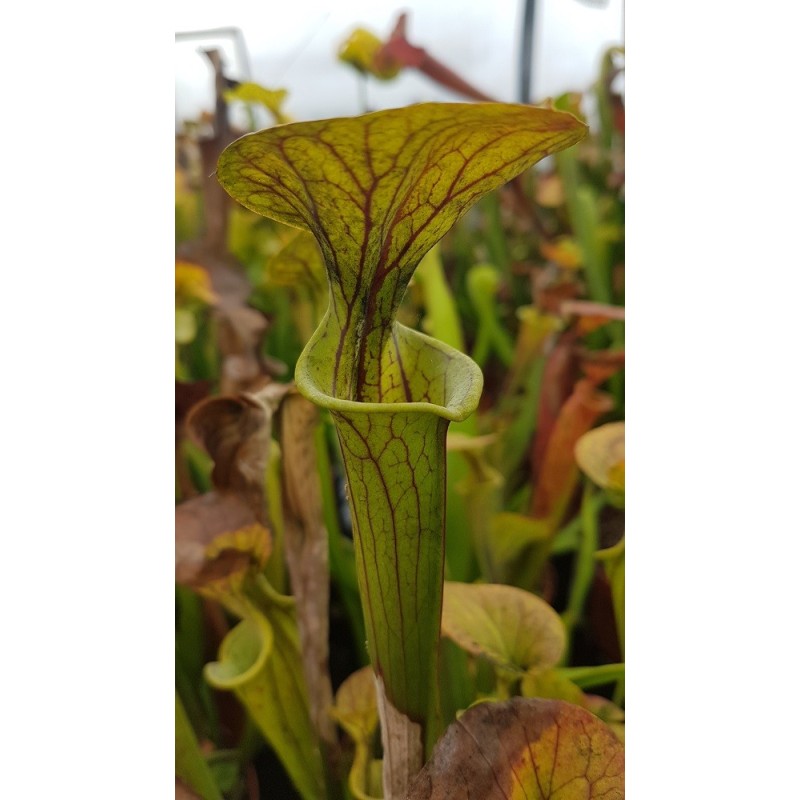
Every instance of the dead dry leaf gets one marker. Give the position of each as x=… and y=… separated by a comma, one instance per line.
x=524, y=748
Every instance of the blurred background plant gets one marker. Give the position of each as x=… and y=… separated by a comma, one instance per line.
x=530, y=283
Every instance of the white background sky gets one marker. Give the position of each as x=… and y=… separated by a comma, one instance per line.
x=296, y=49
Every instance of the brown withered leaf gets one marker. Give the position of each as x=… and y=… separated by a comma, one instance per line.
x=587, y=309
x=228, y=281
x=552, y=287
x=527, y=749
x=607, y=711
x=239, y=333
x=183, y=792
x=600, y=365
x=549, y=190
x=187, y=395
x=235, y=430
x=240, y=328
x=306, y=539
x=217, y=536
x=558, y=379
x=554, y=685
x=564, y=251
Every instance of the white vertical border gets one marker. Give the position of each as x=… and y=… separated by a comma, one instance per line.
x=712, y=400
x=87, y=335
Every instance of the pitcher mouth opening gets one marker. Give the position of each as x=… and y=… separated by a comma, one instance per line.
x=459, y=381
x=243, y=653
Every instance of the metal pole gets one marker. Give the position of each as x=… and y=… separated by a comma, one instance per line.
x=526, y=51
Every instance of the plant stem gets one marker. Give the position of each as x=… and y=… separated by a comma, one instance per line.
x=589, y=677
x=190, y=764
x=568, y=538
x=585, y=567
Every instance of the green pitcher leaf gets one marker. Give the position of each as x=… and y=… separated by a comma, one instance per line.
x=193, y=282
x=551, y=684
x=271, y=99
x=512, y=628
x=190, y=764
x=355, y=706
x=524, y=749
x=297, y=267
x=515, y=414
x=298, y=264
x=441, y=321
x=396, y=485
x=361, y=50
x=600, y=453
x=259, y=660
x=519, y=548
x=185, y=326
x=483, y=284
x=377, y=192
x=480, y=490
